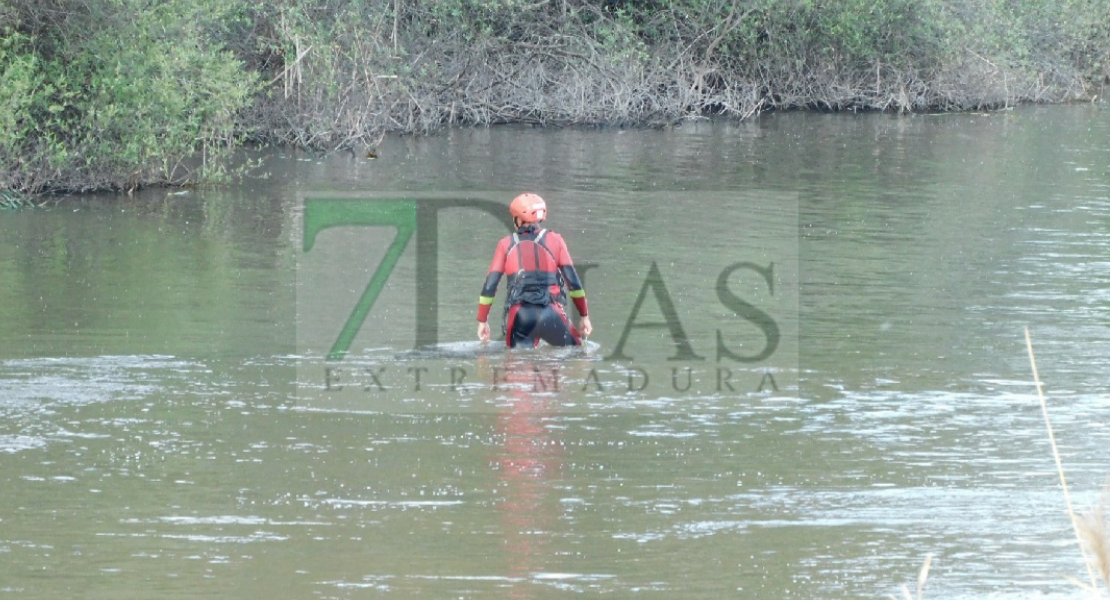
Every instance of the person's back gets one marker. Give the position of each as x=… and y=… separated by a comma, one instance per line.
x=541, y=276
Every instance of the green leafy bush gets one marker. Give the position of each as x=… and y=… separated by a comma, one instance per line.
x=116, y=94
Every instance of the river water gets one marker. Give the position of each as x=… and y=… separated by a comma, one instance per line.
x=808, y=370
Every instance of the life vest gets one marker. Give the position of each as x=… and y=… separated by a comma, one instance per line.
x=537, y=279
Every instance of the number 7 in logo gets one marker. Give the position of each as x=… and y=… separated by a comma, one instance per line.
x=322, y=213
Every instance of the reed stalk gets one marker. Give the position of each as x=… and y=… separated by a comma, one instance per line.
x=1059, y=464
x=1093, y=532
x=922, y=577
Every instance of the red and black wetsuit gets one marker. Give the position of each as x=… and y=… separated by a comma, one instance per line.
x=537, y=263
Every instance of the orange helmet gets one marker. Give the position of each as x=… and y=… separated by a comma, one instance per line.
x=529, y=208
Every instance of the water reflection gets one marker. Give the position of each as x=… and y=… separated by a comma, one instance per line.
x=529, y=459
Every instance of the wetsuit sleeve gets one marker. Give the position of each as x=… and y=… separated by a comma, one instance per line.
x=574, y=283
x=493, y=278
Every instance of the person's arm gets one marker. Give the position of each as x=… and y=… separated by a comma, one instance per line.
x=570, y=275
x=489, y=289
x=574, y=285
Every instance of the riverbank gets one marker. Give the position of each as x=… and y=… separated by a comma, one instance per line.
x=105, y=95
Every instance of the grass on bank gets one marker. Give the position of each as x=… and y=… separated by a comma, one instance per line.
x=15, y=201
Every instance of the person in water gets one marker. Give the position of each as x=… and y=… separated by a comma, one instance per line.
x=541, y=276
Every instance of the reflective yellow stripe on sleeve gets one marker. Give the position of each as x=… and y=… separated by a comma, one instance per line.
x=577, y=293
x=485, y=300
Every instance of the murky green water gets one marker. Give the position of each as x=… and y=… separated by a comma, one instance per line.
x=164, y=431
